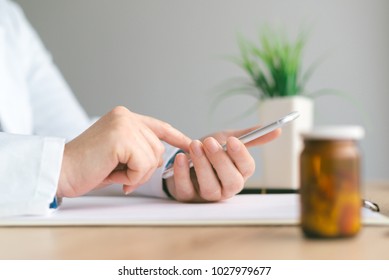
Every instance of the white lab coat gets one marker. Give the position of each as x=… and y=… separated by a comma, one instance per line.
x=38, y=114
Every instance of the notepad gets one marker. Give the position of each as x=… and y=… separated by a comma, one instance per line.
x=277, y=209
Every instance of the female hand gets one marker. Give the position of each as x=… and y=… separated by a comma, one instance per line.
x=216, y=174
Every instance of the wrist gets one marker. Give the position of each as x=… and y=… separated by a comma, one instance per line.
x=64, y=188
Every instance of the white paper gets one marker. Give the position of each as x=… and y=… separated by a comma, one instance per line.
x=277, y=209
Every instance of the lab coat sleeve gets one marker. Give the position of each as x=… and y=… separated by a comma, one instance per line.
x=55, y=110
x=29, y=172
x=55, y=113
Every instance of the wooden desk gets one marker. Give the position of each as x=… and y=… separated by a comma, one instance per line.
x=251, y=242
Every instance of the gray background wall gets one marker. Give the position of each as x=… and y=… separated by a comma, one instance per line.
x=164, y=58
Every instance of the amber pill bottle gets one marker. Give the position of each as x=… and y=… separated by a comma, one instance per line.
x=330, y=182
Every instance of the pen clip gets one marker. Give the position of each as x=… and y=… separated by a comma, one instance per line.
x=370, y=205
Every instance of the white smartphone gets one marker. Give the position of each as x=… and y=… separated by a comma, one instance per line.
x=250, y=136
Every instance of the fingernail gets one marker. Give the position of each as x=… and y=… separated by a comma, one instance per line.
x=233, y=144
x=211, y=145
x=128, y=189
x=197, y=148
x=181, y=160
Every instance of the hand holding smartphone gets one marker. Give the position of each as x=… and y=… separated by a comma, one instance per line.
x=250, y=136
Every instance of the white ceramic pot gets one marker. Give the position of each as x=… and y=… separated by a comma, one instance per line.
x=280, y=158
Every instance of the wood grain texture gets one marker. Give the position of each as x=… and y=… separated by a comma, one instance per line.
x=246, y=242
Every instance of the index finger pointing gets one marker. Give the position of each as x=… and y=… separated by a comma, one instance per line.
x=168, y=133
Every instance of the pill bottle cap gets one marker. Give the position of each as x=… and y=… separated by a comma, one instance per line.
x=349, y=132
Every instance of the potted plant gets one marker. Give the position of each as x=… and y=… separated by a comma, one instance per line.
x=277, y=81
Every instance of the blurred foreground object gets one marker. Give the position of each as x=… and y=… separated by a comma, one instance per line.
x=330, y=182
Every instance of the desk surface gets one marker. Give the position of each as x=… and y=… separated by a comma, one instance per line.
x=248, y=242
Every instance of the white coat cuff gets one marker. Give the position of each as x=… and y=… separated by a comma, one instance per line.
x=32, y=184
